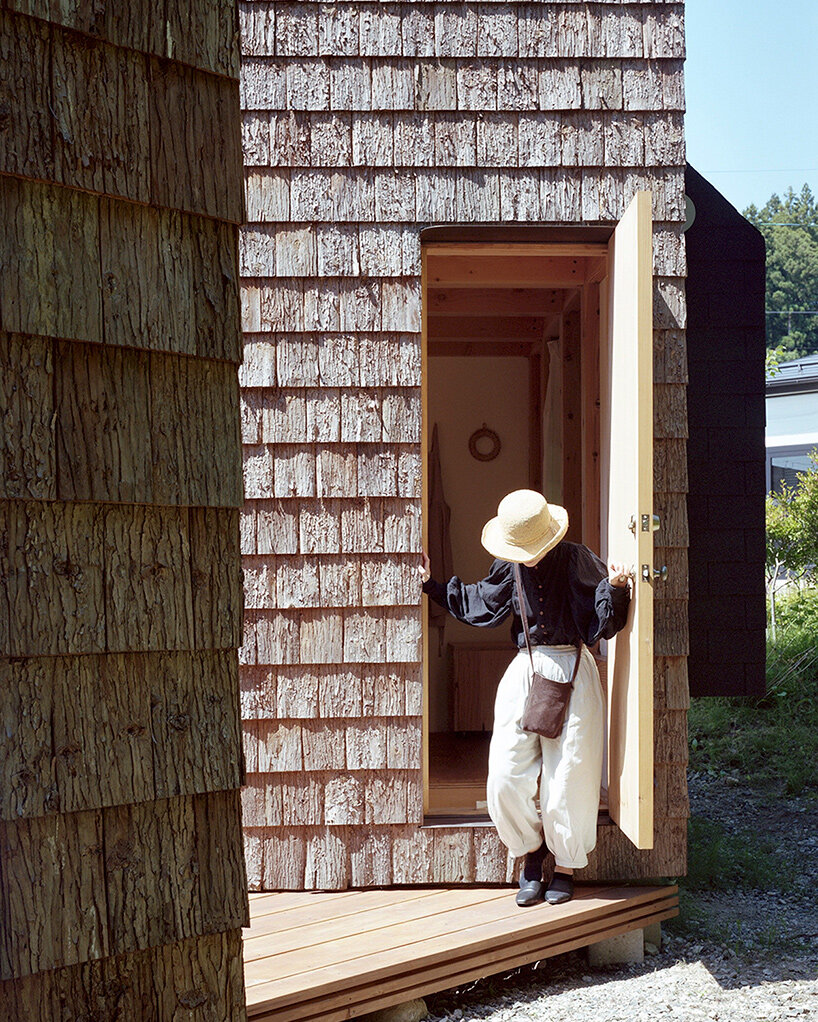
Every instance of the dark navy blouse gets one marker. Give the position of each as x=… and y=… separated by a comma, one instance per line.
x=568, y=597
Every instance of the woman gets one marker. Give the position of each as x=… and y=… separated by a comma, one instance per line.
x=570, y=600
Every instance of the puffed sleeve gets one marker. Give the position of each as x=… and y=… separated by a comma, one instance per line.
x=599, y=609
x=611, y=605
x=486, y=603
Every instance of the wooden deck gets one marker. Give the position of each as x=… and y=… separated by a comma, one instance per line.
x=333, y=956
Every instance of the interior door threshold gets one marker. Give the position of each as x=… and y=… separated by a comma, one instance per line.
x=483, y=820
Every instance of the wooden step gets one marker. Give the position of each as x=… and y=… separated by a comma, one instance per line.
x=335, y=955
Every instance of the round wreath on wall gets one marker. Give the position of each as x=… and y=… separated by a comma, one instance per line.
x=484, y=444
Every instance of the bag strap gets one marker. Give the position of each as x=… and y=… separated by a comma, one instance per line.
x=518, y=578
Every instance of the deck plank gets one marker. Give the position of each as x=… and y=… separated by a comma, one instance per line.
x=387, y=950
x=371, y=997
x=307, y=934
x=263, y=903
x=333, y=909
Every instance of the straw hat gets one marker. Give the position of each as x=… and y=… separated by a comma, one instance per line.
x=526, y=526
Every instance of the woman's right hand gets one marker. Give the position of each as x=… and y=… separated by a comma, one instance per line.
x=425, y=567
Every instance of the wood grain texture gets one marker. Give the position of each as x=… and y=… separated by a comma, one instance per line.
x=49, y=253
x=203, y=33
x=26, y=136
x=471, y=195
x=170, y=279
x=76, y=573
x=94, y=731
x=194, y=432
x=72, y=915
x=148, y=592
x=27, y=416
x=383, y=84
x=194, y=722
x=216, y=578
x=147, y=985
x=131, y=877
x=106, y=708
x=98, y=93
x=673, y=690
x=60, y=243
x=188, y=107
x=29, y=784
x=103, y=424
x=52, y=560
x=101, y=738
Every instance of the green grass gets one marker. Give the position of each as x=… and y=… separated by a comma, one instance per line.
x=696, y=922
x=769, y=746
x=770, y=743
x=719, y=860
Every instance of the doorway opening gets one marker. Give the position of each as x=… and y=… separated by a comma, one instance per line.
x=514, y=341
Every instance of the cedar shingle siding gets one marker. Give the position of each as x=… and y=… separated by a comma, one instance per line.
x=122, y=884
x=363, y=123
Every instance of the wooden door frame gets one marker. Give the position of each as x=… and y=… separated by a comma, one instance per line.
x=594, y=255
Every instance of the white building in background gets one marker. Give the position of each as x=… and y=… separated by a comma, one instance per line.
x=792, y=420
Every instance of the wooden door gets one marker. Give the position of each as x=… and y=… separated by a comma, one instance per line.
x=628, y=430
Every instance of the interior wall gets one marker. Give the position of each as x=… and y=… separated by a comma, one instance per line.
x=464, y=393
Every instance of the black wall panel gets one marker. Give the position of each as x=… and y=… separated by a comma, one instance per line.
x=726, y=342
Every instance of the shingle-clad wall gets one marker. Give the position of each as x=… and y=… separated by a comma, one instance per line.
x=122, y=882
x=364, y=122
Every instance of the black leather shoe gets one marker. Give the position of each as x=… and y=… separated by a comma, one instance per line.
x=530, y=892
x=560, y=889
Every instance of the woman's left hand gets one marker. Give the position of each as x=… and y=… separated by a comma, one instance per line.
x=618, y=575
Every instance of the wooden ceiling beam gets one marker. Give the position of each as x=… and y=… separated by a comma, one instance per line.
x=545, y=272
x=491, y=249
x=500, y=302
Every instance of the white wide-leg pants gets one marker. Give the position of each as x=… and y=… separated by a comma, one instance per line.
x=569, y=767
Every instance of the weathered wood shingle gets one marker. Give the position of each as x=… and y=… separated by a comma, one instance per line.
x=363, y=123
x=122, y=887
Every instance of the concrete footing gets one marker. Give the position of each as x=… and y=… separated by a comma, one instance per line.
x=653, y=935
x=624, y=948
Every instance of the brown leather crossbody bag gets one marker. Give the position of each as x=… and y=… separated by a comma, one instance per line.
x=547, y=702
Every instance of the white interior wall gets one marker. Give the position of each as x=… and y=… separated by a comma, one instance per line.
x=463, y=394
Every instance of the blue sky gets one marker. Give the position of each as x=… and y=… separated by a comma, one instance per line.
x=751, y=80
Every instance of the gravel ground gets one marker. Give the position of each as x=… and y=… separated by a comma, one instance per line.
x=743, y=956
